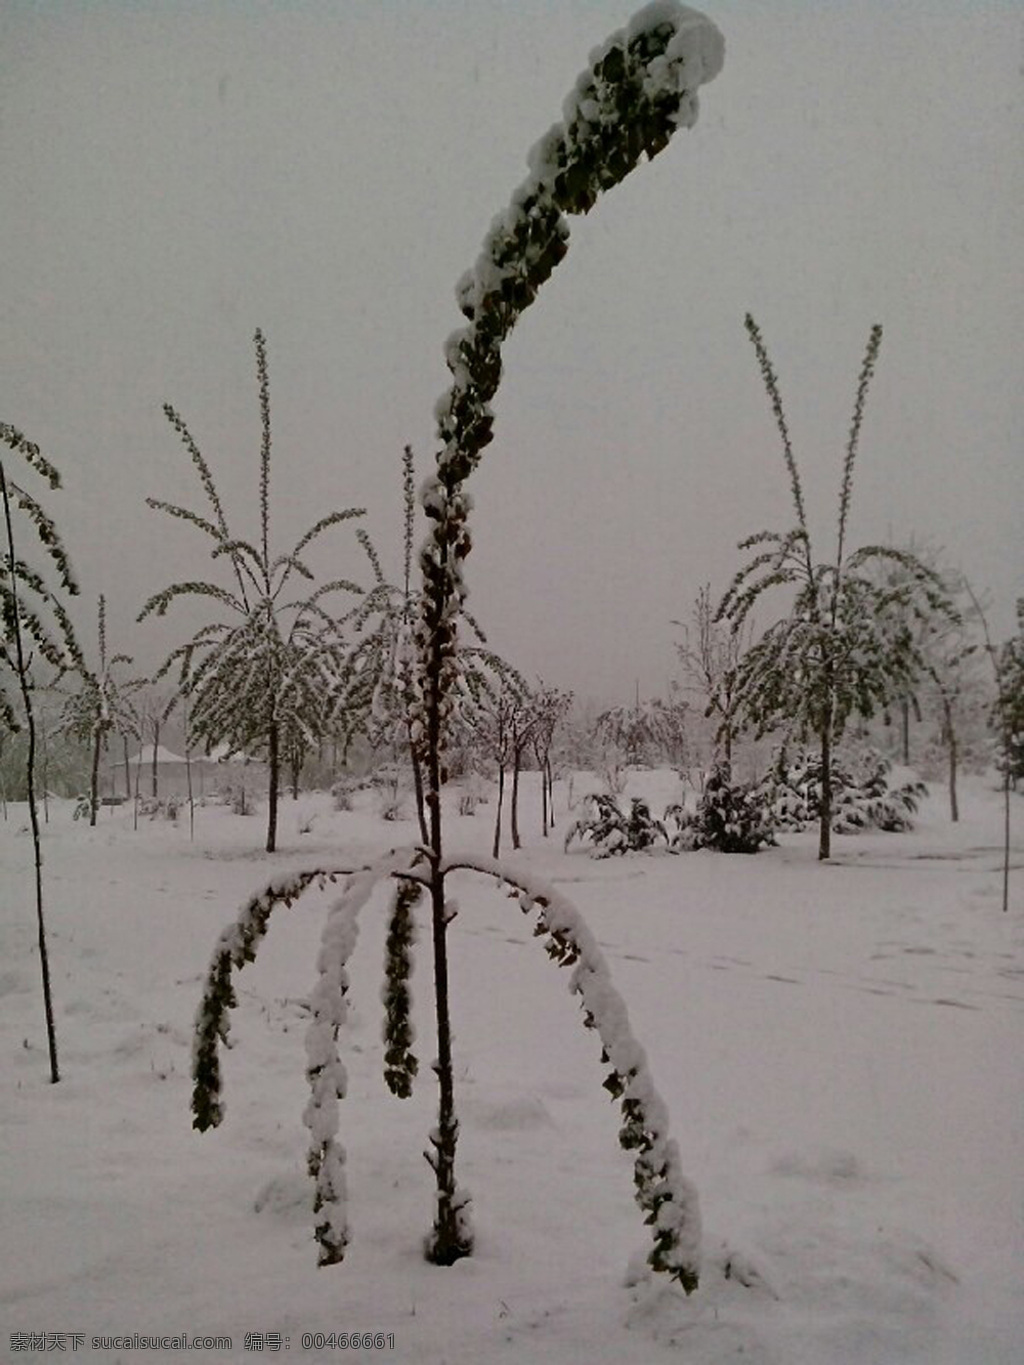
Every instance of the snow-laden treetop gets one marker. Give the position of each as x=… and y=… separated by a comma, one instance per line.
x=640, y=87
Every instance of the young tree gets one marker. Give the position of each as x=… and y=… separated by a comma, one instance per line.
x=551, y=707
x=265, y=680
x=646, y=730
x=33, y=620
x=102, y=704
x=381, y=674
x=949, y=652
x=1007, y=713
x=154, y=707
x=709, y=654
x=641, y=87
x=847, y=645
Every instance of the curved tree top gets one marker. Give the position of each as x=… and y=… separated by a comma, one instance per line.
x=640, y=87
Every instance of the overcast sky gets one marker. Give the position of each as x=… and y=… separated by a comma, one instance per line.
x=178, y=172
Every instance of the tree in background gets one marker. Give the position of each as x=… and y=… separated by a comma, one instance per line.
x=266, y=680
x=709, y=654
x=1011, y=691
x=848, y=644
x=1007, y=714
x=951, y=685
x=646, y=730
x=552, y=707
x=34, y=620
x=101, y=705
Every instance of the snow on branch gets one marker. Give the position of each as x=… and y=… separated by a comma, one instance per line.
x=325, y=1071
x=668, y=1199
x=236, y=946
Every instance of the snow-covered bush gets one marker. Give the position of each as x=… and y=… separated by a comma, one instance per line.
x=728, y=818
x=343, y=792
x=609, y=830
x=862, y=797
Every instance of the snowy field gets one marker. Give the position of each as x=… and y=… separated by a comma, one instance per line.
x=840, y=1047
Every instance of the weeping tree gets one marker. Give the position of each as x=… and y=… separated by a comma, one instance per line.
x=266, y=678
x=101, y=705
x=641, y=87
x=34, y=621
x=850, y=642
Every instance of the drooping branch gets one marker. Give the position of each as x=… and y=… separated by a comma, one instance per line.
x=400, y=1062
x=667, y=1198
x=325, y=1071
x=236, y=946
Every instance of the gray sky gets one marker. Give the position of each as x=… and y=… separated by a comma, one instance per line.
x=177, y=173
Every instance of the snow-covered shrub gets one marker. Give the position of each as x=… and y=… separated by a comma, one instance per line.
x=343, y=792
x=728, y=818
x=609, y=830
x=861, y=795
x=240, y=802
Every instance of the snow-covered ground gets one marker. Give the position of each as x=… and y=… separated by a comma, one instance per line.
x=840, y=1047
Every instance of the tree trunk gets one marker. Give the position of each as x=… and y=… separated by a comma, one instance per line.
x=1006, y=821
x=954, y=809
x=191, y=799
x=94, y=781
x=542, y=763
x=727, y=748
x=905, y=723
x=448, y=1241
x=127, y=770
x=296, y=766
x=825, y=828
x=496, y=850
x=156, y=743
x=517, y=760
x=274, y=761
